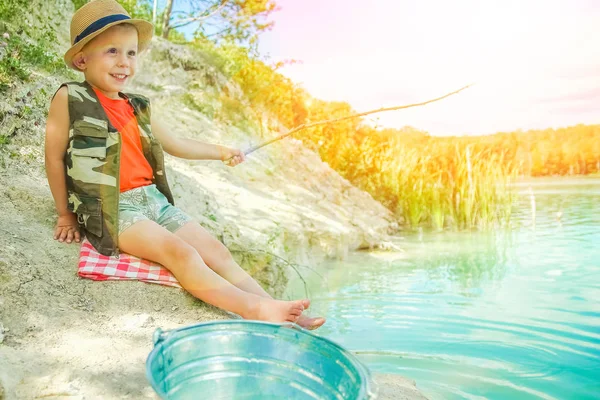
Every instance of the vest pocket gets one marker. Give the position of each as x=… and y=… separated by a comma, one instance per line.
x=86, y=128
x=89, y=139
x=89, y=214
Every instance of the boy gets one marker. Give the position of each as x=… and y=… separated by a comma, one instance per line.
x=115, y=189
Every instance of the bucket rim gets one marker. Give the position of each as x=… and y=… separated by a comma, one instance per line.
x=162, y=337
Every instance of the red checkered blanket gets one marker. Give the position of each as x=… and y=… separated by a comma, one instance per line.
x=93, y=265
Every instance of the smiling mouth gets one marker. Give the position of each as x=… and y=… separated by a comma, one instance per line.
x=119, y=76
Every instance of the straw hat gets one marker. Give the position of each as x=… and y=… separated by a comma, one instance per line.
x=97, y=16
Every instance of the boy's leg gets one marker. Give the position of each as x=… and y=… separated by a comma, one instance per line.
x=146, y=239
x=219, y=259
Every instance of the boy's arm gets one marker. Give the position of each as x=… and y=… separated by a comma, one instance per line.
x=194, y=149
x=57, y=140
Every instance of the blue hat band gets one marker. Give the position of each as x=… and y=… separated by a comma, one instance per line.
x=99, y=24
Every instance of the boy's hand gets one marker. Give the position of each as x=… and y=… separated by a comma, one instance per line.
x=67, y=228
x=232, y=157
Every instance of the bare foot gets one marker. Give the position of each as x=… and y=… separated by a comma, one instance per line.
x=277, y=310
x=310, y=323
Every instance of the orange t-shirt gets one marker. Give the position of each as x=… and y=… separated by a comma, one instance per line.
x=135, y=171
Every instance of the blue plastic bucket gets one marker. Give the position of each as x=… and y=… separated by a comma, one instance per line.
x=253, y=360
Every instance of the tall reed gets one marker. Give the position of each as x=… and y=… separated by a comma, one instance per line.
x=438, y=182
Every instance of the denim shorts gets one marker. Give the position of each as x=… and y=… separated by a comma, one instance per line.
x=148, y=203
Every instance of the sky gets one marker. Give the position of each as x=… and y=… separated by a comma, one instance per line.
x=534, y=64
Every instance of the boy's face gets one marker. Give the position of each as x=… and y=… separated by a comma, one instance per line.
x=109, y=60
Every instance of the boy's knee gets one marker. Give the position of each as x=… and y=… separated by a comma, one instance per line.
x=179, y=251
x=222, y=252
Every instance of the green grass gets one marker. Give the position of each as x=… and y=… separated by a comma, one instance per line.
x=23, y=47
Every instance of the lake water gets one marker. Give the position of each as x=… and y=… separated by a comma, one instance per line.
x=501, y=315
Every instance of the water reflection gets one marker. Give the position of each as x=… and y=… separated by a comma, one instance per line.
x=513, y=314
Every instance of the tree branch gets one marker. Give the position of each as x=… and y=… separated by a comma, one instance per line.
x=206, y=15
x=218, y=33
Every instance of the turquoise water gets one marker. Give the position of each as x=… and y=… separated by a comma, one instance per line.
x=504, y=315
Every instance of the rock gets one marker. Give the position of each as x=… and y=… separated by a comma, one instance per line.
x=396, y=387
x=138, y=321
x=148, y=322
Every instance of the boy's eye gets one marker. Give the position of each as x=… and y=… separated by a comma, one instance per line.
x=112, y=50
x=132, y=53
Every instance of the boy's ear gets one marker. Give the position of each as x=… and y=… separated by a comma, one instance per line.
x=79, y=60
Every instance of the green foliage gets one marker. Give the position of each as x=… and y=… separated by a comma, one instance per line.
x=232, y=110
x=174, y=36
x=21, y=55
x=12, y=10
x=194, y=104
x=30, y=43
x=79, y=3
x=156, y=87
x=263, y=87
x=564, y=151
x=11, y=68
x=37, y=54
x=141, y=9
x=238, y=21
x=227, y=59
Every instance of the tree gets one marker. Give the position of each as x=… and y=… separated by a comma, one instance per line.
x=232, y=20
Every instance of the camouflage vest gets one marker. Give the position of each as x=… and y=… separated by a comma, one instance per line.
x=93, y=159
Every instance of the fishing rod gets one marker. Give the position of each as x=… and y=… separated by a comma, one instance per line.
x=305, y=126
